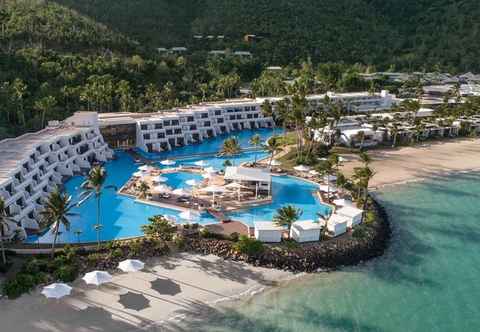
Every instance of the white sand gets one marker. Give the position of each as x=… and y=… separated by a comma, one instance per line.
x=183, y=284
x=416, y=163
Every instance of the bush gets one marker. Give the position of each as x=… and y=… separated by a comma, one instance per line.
x=22, y=283
x=234, y=236
x=94, y=258
x=116, y=253
x=360, y=232
x=246, y=245
x=370, y=217
x=66, y=273
x=160, y=227
x=179, y=241
x=35, y=265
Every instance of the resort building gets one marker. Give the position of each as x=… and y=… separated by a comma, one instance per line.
x=306, y=231
x=267, y=231
x=253, y=178
x=32, y=165
x=337, y=224
x=353, y=214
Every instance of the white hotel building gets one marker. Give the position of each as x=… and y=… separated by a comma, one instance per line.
x=33, y=164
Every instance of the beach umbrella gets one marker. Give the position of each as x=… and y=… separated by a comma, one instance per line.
x=97, y=277
x=145, y=168
x=56, y=291
x=275, y=162
x=189, y=215
x=210, y=170
x=341, y=159
x=214, y=189
x=131, y=265
x=181, y=192
x=139, y=174
x=159, y=178
x=171, y=218
x=167, y=162
x=192, y=182
x=313, y=172
x=206, y=175
x=161, y=188
x=302, y=168
x=201, y=163
x=326, y=188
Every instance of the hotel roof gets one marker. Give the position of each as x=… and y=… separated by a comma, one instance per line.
x=15, y=150
x=246, y=174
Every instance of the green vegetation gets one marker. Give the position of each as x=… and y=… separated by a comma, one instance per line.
x=286, y=216
x=159, y=227
x=248, y=246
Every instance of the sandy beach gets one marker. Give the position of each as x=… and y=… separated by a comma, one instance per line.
x=393, y=166
x=157, y=299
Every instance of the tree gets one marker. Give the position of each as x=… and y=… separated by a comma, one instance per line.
x=362, y=176
x=5, y=222
x=94, y=185
x=273, y=146
x=143, y=188
x=231, y=147
x=45, y=105
x=326, y=168
x=57, y=211
x=159, y=227
x=255, y=141
x=286, y=216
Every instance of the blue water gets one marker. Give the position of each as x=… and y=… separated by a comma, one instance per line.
x=122, y=217
x=426, y=281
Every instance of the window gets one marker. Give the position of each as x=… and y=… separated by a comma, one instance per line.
x=166, y=123
x=175, y=122
x=169, y=132
x=158, y=126
x=146, y=136
x=144, y=127
x=161, y=135
x=218, y=112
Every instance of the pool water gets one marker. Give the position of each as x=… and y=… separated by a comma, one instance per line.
x=122, y=217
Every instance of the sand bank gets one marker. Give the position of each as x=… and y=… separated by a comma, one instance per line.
x=170, y=289
x=406, y=164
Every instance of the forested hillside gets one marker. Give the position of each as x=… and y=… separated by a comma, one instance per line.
x=59, y=56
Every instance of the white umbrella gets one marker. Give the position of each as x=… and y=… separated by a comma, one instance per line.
x=302, y=168
x=56, y=290
x=139, y=174
x=210, y=170
x=189, y=215
x=206, y=175
x=192, y=182
x=275, y=162
x=330, y=178
x=326, y=188
x=171, y=218
x=201, y=163
x=144, y=168
x=167, y=162
x=159, y=178
x=237, y=186
x=181, y=192
x=161, y=188
x=341, y=159
x=213, y=189
x=313, y=172
x=97, y=277
x=131, y=265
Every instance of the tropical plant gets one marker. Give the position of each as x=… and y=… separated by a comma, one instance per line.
x=248, y=246
x=273, y=146
x=286, y=216
x=231, y=147
x=5, y=222
x=94, y=186
x=159, y=227
x=144, y=189
x=56, y=212
x=255, y=141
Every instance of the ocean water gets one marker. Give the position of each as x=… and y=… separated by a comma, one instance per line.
x=428, y=280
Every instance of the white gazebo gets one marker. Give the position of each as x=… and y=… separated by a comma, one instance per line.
x=302, y=168
x=159, y=179
x=253, y=178
x=213, y=189
x=305, y=231
x=267, y=231
x=337, y=224
x=353, y=214
x=167, y=162
x=236, y=186
x=342, y=202
x=189, y=215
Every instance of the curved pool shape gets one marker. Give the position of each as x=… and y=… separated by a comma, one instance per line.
x=122, y=217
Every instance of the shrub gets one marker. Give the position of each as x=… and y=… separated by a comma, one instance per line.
x=234, y=236
x=116, y=253
x=35, y=265
x=246, y=245
x=66, y=273
x=94, y=258
x=22, y=283
x=179, y=241
x=134, y=248
x=370, y=217
x=360, y=232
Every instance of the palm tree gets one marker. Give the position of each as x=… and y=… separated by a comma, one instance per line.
x=45, y=105
x=57, y=210
x=273, y=146
x=326, y=168
x=143, y=188
x=94, y=185
x=365, y=158
x=255, y=141
x=394, y=134
x=286, y=216
x=5, y=221
x=363, y=175
x=231, y=147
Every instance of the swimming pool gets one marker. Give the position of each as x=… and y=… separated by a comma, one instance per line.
x=122, y=216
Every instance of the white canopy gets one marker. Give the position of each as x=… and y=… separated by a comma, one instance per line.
x=131, y=265
x=275, y=162
x=201, y=163
x=214, y=189
x=171, y=218
x=189, y=215
x=56, y=290
x=159, y=178
x=139, y=174
x=206, y=175
x=235, y=185
x=192, y=182
x=313, y=172
x=145, y=168
x=167, y=162
x=302, y=168
x=326, y=188
x=210, y=170
x=330, y=178
x=246, y=174
x=181, y=192
x=97, y=277
x=343, y=202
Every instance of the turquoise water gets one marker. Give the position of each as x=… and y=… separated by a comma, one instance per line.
x=122, y=217
x=427, y=280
